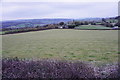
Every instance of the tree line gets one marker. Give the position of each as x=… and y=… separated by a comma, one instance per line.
x=68, y=25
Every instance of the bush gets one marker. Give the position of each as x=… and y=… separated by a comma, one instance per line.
x=54, y=69
x=61, y=23
x=15, y=68
x=108, y=71
x=77, y=23
x=71, y=26
x=108, y=24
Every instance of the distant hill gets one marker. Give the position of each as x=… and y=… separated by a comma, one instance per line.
x=93, y=27
x=118, y=17
x=90, y=19
x=31, y=22
x=39, y=22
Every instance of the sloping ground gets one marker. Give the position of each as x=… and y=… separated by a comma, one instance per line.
x=30, y=22
x=92, y=27
x=66, y=44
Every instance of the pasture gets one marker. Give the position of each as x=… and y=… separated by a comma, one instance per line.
x=98, y=46
x=92, y=27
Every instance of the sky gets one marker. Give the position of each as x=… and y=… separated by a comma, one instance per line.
x=75, y=10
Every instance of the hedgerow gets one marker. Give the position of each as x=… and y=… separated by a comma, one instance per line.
x=54, y=69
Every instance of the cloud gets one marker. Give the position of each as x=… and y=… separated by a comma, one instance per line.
x=28, y=10
x=60, y=0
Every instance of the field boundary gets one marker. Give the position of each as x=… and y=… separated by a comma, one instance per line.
x=50, y=29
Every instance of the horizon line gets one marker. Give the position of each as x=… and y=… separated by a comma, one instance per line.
x=56, y=18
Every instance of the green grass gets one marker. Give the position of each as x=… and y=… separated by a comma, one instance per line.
x=85, y=45
x=1, y=32
x=92, y=27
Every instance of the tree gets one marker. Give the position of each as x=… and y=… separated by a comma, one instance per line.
x=103, y=20
x=72, y=26
x=61, y=23
x=86, y=23
x=93, y=23
x=118, y=24
x=81, y=23
x=108, y=24
x=77, y=23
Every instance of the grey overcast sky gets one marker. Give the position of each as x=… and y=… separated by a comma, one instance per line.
x=76, y=10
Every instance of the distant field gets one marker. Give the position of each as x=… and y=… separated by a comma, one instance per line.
x=85, y=45
x=92, y=27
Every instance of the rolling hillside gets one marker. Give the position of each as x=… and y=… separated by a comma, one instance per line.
x=98, y=27
x=31, y=22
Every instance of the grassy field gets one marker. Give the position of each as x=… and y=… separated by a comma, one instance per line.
x=85, y=45
x=92, y=27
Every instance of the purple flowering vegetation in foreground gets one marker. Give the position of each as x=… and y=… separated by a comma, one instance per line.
x=22, y=68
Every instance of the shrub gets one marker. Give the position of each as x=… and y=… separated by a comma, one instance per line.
x=108, y=71
x=61, y=23
x=15, y=68
x=72, y=26
x=54, y=69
